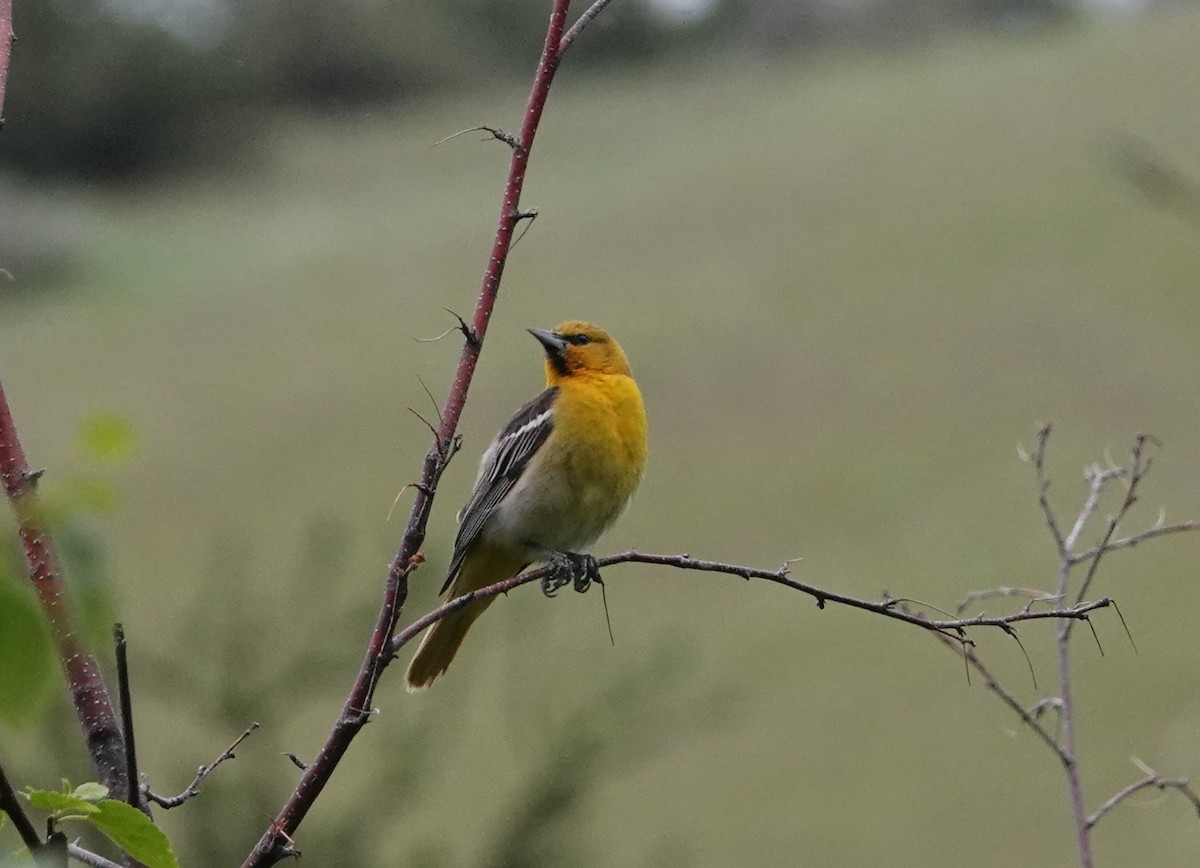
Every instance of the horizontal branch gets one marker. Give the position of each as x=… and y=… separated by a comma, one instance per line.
x=888, y=608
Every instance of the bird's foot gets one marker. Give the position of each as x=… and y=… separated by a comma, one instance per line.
x=570, y=568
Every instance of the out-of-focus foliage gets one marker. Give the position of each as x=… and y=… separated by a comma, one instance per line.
x=95, y=95
x=92, y=96
x=26, y=659
x=28, y=670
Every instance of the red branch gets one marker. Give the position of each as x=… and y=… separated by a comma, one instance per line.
x=275, y=843
x=88, y=693
x=6, y=42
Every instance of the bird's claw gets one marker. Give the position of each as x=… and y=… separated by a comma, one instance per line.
x=569, y=568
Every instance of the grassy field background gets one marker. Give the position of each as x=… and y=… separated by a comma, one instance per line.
x=849, y=285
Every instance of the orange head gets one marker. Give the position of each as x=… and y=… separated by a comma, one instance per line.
x=576, y=348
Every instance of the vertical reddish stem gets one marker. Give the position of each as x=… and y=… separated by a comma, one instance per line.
x=6, y=41
x=357, y=707
x=88, y=693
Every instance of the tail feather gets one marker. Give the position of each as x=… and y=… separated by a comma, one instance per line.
x=443, y=639
x=440, y=644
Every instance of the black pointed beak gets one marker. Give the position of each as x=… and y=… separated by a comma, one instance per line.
x=554, y=343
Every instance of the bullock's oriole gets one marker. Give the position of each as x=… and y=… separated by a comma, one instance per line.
x=556, y=476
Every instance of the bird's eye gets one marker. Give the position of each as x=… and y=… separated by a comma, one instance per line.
x=579, y=340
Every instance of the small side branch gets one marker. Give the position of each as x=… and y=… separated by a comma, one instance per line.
x=1152, y=780
x=1028, y=717
x=584, y=20
x=1038, y=459
x=193, y=789
x=87, y=857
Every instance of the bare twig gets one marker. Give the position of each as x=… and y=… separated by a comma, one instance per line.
x=1097, y=478
x=584, y=20
x=193, y=789
x=1151, y=780
x=355, y=711
x=126, y=700
x=89, y=694
x=1138, y=468
x=1033, y=594
x=1132, y=540
x=1029, y=718
x=1038, y=458
x=87, y=857
x=889, y=607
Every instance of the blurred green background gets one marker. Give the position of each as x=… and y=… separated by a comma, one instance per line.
x=851, y=274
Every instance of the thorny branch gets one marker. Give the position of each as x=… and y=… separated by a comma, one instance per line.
x=275, y=842
x=1098, y=478
x=953, y=629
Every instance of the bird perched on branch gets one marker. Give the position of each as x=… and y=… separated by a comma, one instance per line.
x=556, y=476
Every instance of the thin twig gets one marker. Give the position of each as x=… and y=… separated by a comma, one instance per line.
x=126, y=699
x=889, y=607
x=1097, y=478
x=193, y=789
x=1039, y=465
x=584, y=20
x=1029, y=718
x=87, y=857
x=1131, y=541
x=1137, y=471
x=89, y=695
x=1151, y=780
x=1034, y=595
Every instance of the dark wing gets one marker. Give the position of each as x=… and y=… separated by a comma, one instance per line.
x=501, y=467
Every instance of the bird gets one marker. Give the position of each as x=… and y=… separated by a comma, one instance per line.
x=555, y=477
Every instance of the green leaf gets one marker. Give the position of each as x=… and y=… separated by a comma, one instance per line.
x=27, y=667
x=135, y=833
x=107, y=437
x=91, y=792
x=49, y=800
